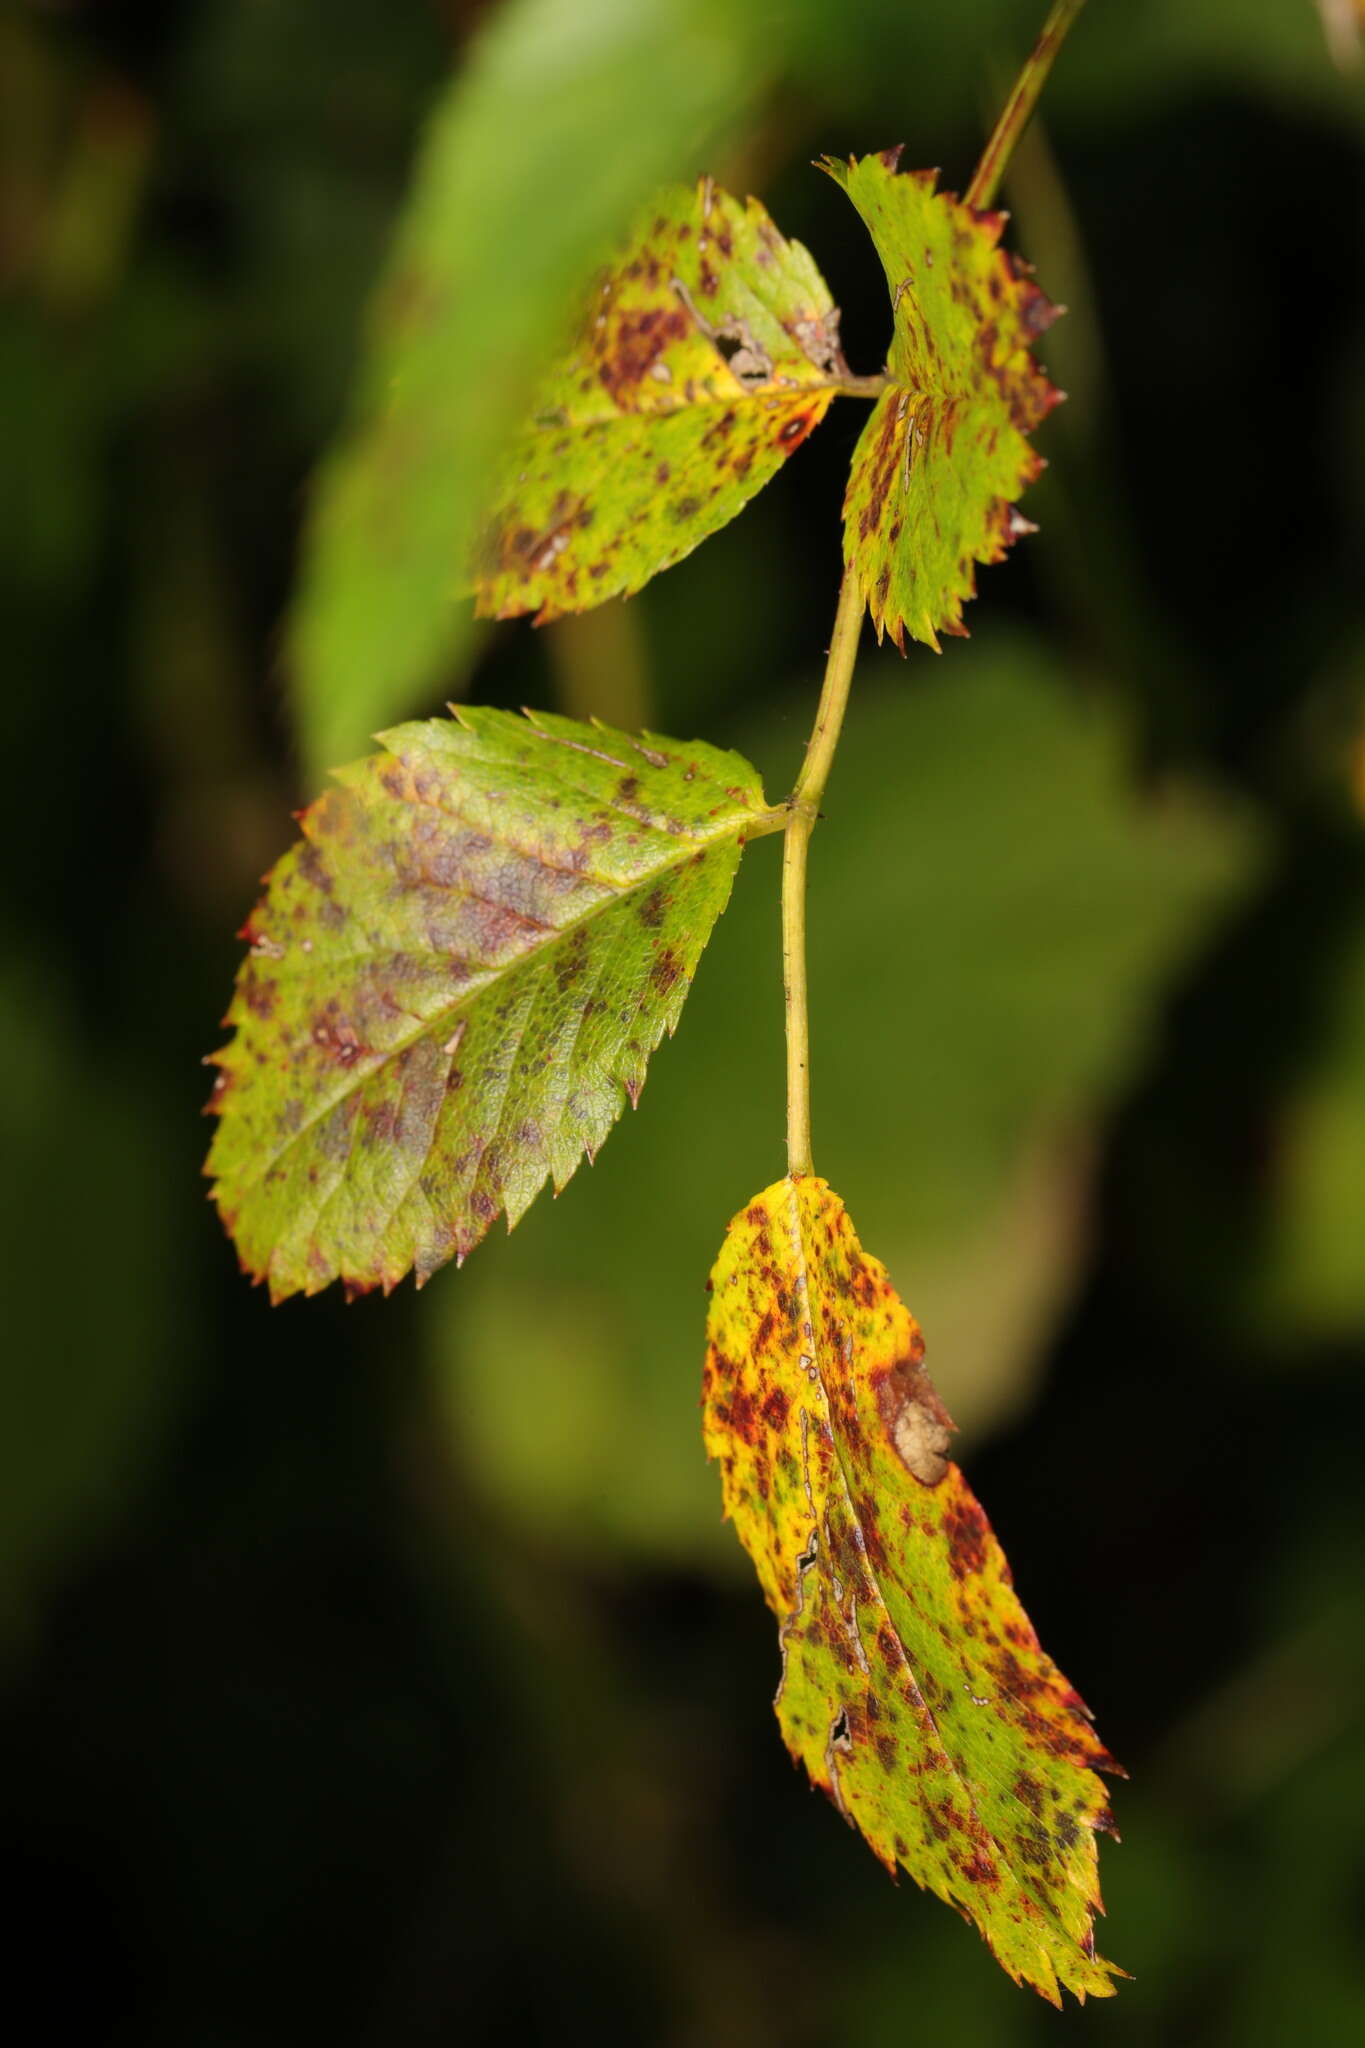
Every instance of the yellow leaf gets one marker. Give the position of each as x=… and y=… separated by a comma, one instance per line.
x=913, y=1686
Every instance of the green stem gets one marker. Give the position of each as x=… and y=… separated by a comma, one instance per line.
x=803, y=809
x=864, y=387
x=803, y=806
x=1019, y=106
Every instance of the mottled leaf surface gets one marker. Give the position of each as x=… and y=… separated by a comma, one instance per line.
x=455, y=978
x=704, y=355
x=913, y=1687
x=945, y=454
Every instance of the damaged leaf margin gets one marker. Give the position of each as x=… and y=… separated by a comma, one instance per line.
x=945, y=453
x=913, y=1687
x=703, y=357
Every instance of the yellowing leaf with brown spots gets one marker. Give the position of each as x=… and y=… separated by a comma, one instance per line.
x=945, y=454
x=705, y=354
x=456, y=978
x=913, y=1687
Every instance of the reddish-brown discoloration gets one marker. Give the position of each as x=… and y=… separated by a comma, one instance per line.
x=912, y=1684
x=945, y=453
x=391, y=1090
x=666, y=970
x=776, y=1409
x=968, y=1532
x=705, y=355
x=653, y=908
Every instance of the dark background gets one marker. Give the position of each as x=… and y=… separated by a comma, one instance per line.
x=384, y=1674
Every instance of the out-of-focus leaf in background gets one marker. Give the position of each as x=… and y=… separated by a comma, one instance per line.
x=1168, y=46
x=566, y=115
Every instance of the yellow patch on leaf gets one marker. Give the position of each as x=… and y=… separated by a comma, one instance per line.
x=914, y=1688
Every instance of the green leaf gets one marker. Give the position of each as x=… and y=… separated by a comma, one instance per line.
x=945, y=454
x=913, y=1687
x=454, y=978
x=566, y=112
x=705, y=353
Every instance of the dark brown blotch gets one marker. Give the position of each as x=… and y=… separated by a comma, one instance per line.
x=776, y=1408
x=653, y=908
x=968, y=1533
x=666, y=970
x=916, y=1421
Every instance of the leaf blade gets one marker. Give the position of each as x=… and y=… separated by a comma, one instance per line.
x=913, y=1687
x=705, y=354
x=946, y=453
x=456, y=977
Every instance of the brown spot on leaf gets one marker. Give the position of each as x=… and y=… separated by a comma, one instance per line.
x=918, y=1424
x=636, y=342
x=337, y=1039
x=1030, y=1792
x=968, y=1533
x=776, y=1408
x=665, y=970
x=978, y=1869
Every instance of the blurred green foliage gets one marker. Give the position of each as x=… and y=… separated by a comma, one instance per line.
x=385, y=1674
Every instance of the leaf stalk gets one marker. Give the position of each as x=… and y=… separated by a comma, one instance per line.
x=803, y=808
x=1018, y=108
x=853, y=386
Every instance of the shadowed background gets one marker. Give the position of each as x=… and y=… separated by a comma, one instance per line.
x=385, y=1674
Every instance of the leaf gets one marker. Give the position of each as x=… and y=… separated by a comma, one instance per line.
x=454, y=978
x=704, y=355
x=536, y=156
x=913, y=1687
x=945, y=453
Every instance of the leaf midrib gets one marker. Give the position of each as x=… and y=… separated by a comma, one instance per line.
x=835, y=1438
x=358, y=1076
x=838, y=386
